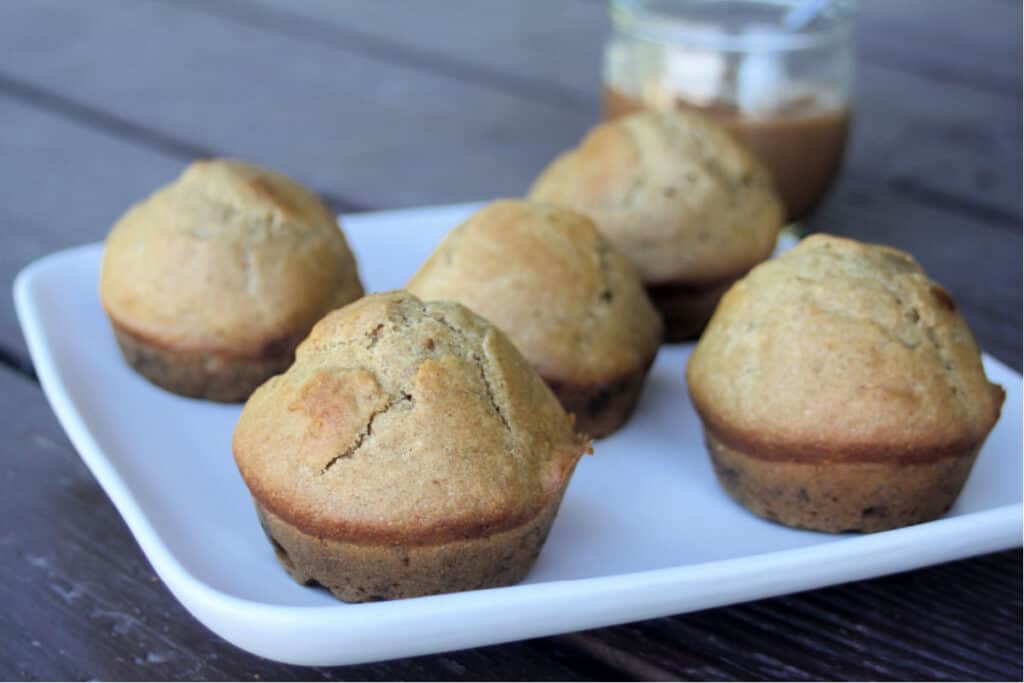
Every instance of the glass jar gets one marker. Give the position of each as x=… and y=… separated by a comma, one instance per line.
x=782, y=90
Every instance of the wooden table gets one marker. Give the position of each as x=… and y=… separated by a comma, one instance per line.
x=389, y=104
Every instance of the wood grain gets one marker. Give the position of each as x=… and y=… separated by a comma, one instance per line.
x=384, y=133
x=81, y=601
x=389, y=97
x=873, y=630
x=380, y=105
x=974, y=44
x=908, y=54
x=73, y=182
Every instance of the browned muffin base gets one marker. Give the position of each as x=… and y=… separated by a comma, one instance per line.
x=841, y=496
x=358, y=572
x=687, y=307
x=213, y=376
x=602, y=409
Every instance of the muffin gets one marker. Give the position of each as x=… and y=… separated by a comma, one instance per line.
x=212, y=281
x=409, y=450
x=840, y=390
x=568, y=300
x=688, y=205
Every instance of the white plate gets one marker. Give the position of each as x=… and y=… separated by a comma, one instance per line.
x=644, y=531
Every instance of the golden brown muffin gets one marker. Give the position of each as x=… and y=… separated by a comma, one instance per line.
x=568, y=300
x=409, y=450
x=840, y=390
x=212, y=281
x=691, y=208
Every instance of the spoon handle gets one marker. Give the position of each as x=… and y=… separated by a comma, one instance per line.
x=803, y=14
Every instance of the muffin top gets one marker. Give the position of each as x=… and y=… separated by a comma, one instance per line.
x=674, y=191
x=229, y=257
x=404, y=421
x=839, y=350
x=569, y=300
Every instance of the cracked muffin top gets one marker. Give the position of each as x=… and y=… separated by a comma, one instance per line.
x=840, y=350
x=674, y=191
x=229, y=257
x=409, y=422
x=568, y=300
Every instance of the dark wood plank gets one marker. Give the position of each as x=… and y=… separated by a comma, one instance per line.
x=80, y=601
x=942, y=144
x=129, y=131
x=475, y=41
x=971, y=43
x=385, y=134
x=976, y=44
x=462, y=35
x=434, y=59
x=66, y=183
x=910, y=626
x=908, y=65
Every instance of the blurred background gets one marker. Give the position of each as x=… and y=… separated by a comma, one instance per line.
x=381, y=104
x=366, y=100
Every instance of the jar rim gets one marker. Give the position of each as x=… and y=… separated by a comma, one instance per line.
x=661, y=21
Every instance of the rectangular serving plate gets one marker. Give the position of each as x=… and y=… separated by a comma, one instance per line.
x=644, y=531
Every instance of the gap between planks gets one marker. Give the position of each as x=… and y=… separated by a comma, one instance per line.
x=173, y=146
x=387, y=50
x=18, y=362
x=350, y=40
x=391, y=52
x=122, y=128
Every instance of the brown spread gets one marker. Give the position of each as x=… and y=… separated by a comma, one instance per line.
x=802, y=144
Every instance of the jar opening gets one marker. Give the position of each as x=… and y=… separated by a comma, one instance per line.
x=730, y=25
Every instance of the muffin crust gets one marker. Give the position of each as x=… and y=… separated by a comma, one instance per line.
x=364, y=572
x=686, y=308
x=841, y=496
x=212, y=375
x=686, y=203
x=406, y=425
x=841, y=367
x=211, y=281
x=568, y=300
x=601, y=410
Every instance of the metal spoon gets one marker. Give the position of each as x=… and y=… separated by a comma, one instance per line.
x=804, y=13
